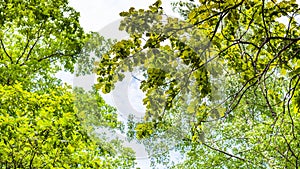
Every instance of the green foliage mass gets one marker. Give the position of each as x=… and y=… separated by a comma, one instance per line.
x=224, y=81
x=43, y=123
x=42, y=130
x=37, y=38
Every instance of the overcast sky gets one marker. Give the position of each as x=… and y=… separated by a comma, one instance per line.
x=96, y=14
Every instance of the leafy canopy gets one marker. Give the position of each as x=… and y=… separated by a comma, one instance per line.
x=43, y=123
x=37, y=38
x=226, y=77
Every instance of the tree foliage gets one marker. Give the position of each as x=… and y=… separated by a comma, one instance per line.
x=227, y=77
x=44, y=124
x=93, y=111
x=37, y=38
x=93, y=49
x=42, y=130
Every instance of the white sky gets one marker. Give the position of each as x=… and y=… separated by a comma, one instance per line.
x=95, y=14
